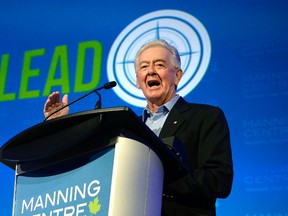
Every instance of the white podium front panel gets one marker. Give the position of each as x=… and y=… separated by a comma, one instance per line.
x=137, y=180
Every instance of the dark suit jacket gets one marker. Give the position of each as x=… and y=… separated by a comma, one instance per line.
x=204, y=133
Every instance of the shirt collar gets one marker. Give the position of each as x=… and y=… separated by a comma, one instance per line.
x=167, y=106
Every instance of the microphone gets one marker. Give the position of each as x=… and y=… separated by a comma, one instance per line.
x=107, y=85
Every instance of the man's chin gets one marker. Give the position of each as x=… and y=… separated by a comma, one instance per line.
x=154, y=99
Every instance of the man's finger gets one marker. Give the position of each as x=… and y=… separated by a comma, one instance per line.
x=65, y=99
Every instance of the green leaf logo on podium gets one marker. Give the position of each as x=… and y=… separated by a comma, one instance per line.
x=94, y=206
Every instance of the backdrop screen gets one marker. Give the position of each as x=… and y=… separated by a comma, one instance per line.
x=234, y=55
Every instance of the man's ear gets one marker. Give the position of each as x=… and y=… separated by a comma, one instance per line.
x=178, y=76
x=137, y=83
x=138, y=86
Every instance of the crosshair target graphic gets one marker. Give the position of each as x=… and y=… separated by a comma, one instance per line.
x=179, y=29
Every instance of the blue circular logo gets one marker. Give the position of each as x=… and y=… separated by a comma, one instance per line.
x=178, y=28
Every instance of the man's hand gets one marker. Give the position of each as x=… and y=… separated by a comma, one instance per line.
x=53, y=103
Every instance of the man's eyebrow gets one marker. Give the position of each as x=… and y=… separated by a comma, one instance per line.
x=141, y=62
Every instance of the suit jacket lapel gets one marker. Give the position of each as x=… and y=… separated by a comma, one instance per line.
x=175, y=118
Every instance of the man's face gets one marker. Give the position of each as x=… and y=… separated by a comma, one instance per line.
x=157, y=76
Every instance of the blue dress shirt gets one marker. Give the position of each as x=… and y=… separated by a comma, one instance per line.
x=156, y=121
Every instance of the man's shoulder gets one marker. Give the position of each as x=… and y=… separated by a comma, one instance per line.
x=182, y=103
x=198, y=111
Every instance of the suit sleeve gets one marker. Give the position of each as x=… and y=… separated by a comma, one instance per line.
x=211, y=168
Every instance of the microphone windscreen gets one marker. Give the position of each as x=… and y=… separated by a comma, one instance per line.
x=110, y=85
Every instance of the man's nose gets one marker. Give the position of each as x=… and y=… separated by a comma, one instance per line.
x=151, y=70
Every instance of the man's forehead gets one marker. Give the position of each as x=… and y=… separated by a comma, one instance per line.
x=158, y=49
x=153, y=60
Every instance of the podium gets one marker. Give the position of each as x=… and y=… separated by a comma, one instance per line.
x=100, y=162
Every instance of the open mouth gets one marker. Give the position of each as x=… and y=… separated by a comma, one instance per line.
x=152, y=83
